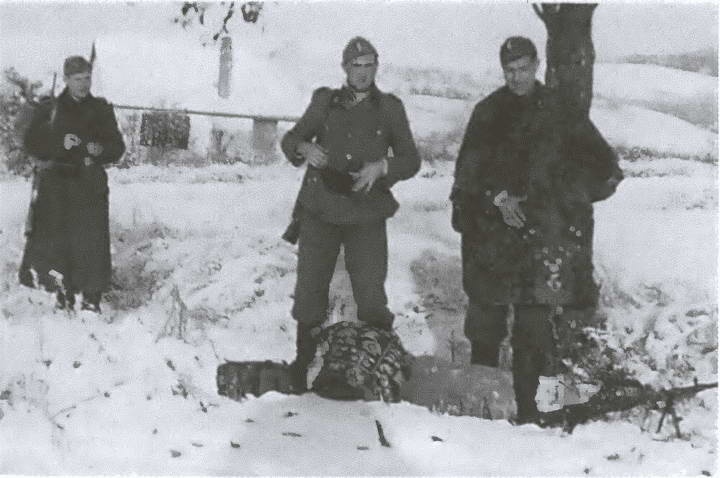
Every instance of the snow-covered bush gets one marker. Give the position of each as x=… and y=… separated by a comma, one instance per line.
x=12, y=103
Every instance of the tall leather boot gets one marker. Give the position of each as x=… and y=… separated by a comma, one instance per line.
x=526, y=379
x=306, y=345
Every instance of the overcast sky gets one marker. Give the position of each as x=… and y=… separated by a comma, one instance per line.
x=35, y=37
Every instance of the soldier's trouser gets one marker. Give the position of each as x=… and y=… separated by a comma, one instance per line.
x=532, y=343
x=533, y=352
x=486, y=327
x=366, y=259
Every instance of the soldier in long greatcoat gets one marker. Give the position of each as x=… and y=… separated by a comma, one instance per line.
x=357, y=143
x=72, y=138
x=525, y=181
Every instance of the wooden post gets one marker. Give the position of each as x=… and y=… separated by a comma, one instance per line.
x=225, y=74
x=218, y=147
x=264, y=139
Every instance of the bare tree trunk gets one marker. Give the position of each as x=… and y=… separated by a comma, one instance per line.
x=570, y=53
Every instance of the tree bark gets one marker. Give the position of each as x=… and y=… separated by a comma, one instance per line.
x=570, y=53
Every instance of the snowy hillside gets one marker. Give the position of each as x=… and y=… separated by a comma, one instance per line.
x=689, y=96
x=669, y=112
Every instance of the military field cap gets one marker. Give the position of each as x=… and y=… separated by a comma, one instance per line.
x=76, y=64
x=356, y=47
x=515, y=48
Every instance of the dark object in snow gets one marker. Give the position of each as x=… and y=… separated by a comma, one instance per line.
x=179, y=389
x=381, y=435
x=291, y=434
x=167, y=130
x=290, y=414
x=175, y=453
x=234, y=445
x=620, y=396
x=76, y=364
x=236, y=380
x=361, y=362
x=434, y=438
x=362, y=448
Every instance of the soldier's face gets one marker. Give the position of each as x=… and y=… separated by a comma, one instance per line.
x=520, y=75
x=79, y=84
x=361, y=72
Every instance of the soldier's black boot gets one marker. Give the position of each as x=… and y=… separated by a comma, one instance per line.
x=91, y=301
x=306, y=345
x=64, y=301
x=526, y=379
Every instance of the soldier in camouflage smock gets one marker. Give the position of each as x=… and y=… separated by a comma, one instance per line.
x=525, y=181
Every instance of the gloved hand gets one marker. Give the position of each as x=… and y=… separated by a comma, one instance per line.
x=368, y=174
x=313, y=154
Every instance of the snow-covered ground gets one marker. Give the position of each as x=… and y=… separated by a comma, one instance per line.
x=113, y=394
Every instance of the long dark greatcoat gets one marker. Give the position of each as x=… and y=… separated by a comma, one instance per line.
x=524, y=145
x=67, y=230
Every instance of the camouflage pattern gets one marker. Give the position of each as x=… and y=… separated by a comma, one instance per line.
x=361, y=362
x=522, y=145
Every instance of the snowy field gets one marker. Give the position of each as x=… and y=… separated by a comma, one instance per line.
x=121, y=393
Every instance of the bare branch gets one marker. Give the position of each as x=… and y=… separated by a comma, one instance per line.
x=538, y=11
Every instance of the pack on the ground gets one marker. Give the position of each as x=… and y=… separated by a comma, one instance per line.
x=361, y=362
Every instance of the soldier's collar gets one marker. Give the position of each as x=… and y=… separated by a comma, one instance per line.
x=345, y=96
x=66, y=97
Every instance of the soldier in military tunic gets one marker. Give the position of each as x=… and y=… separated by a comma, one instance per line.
x=525, y=180
x=72, y=138
x=357, y=143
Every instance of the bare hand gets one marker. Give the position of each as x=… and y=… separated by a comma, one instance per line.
x=370, y=172
x=511, y=212
x=95, y=149
x=88, y=161
x=70, y=141
x=313, y=154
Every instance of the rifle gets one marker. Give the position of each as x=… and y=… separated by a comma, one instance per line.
x=621, y=396
x=30, y=218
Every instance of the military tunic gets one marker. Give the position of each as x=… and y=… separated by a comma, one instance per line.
x=331, y=215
